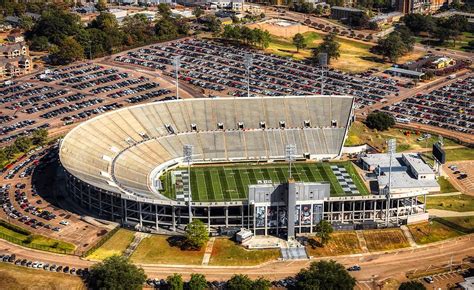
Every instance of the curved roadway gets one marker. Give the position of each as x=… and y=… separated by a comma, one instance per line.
x=378, y=266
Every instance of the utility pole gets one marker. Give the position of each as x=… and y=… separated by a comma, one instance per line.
x=176, y=60
x=248, y=59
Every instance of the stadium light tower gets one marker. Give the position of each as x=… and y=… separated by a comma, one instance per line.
x=176, y=60
x=323, y=62
x=290, y=155
x=391, y=149
x=188, y=157
x=248, y=59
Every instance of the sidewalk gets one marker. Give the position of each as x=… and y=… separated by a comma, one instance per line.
x=409, y=236
x=449, y=213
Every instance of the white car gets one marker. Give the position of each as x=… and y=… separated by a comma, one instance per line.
x=64, y=223
x=34, y=265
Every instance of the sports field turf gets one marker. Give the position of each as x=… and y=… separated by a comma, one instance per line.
x=230, y=182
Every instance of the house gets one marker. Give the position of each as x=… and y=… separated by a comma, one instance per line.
x=15, y=37
x=14, y=60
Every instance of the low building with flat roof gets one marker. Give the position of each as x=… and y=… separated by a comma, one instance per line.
x=396, y=71
x=409, y=172
x=339, y=13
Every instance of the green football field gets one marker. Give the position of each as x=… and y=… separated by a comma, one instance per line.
x=230, y=182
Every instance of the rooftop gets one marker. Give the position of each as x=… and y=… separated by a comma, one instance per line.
x=405, y=71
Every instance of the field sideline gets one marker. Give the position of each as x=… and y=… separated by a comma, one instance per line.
x=230, y=182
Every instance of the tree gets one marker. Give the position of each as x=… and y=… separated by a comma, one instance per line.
x=380, y=121
x=116, y=273
x=39, y=43
x=175, y=282
x=164, y=10
x=198, y=12
x=166, y=29
x=324, y=275
x=22, y=143
x=26, y=22
x=39, y=137
x=69, y=50
x=391, y=47
x=240, y=282
x=197, y=282
x=196, y=234
x=101, y=5
x=261, y=284
x=324, y=231
x=412, y=285
x=213, y=24
x=442, y=33
x=329, y=46
x=373, y=25
x=298, y=41
x=419, y=22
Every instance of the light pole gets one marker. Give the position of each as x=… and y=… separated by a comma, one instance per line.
x=290, y=155
x=176, y=60
x=188, y=157
x=248, y=59
x=391, y=149
x=323, y=62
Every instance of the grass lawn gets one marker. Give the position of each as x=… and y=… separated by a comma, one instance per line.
x=341, y=243
x=355, y=56
x=463, y=224
x=425, y=233
x=459, y=154
x=38, y=241
x=386, y=239
x=14, y=277
x=459, y=202
x=445, y=185
x=360, y=134
x=227, y=253
x=157, y=250
x=461, y=42
x=116, y=245
x=230, y=182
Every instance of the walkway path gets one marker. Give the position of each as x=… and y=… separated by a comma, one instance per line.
x=137, y=238
x=449, y=213
x=362, y=241
x=409, y=236
x=207, y=254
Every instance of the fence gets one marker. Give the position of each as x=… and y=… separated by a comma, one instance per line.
x=101, y=242
x=32, y=245
x=14, y=228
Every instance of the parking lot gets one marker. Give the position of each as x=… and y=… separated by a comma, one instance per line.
x=450, y=107
x=29, y=205
x=442, y=281
x=62, y=96
x=456, y=171
x=219, y=69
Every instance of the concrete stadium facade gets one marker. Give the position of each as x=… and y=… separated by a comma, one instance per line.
x=113, y=161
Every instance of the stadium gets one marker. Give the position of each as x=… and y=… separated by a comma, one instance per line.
x=129, y=166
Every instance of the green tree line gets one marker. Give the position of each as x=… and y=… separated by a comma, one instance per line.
x=67, y=39
x=254, y=37
x=22, y=145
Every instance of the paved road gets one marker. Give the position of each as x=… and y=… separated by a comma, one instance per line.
x=379, y=266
